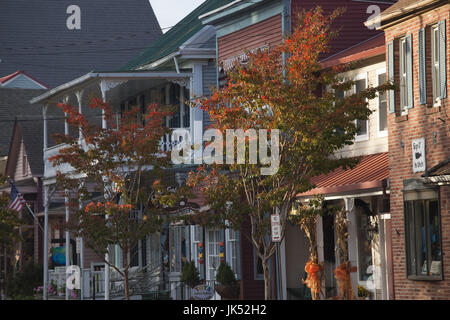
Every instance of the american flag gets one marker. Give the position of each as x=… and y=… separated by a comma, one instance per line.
x=17, y=201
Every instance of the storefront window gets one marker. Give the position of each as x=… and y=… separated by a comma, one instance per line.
x=423, y=239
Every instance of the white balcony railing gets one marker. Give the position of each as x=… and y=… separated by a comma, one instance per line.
x=166, y=145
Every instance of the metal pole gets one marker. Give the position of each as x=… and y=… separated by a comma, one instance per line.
x=45, y=288
x=66, y=202
x=81, y=269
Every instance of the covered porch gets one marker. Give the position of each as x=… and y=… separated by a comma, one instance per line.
x=364, y=193
x=122, y=91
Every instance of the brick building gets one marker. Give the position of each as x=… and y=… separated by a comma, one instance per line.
x=419, y=146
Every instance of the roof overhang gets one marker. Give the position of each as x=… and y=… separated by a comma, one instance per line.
x=439, y=174
x=227, y=10
x=386, y=20
x=114, y=75
x=370, y=174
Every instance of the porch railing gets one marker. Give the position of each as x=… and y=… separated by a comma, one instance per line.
x=166, y=145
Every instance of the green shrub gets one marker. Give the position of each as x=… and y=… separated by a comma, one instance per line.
x=23, y=284
x=190, y=275
x=225, y=276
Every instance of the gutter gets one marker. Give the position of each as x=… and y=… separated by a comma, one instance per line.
x=402, y=11
x=155, y=64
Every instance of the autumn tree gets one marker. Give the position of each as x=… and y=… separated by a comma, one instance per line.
x=125, y=166
x=282, y=88
x=10, y=235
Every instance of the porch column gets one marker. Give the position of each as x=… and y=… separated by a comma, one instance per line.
x=45, y=237
x=79, y=95
x=45, y=242
x=104, y=87
x=320, y=249
x=352, y=241
x=283, y=269
x=66, y=202
x=197, y=113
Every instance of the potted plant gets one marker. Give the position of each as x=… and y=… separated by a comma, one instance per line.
x=363, y=293
x=229, y=287
x=190, y=275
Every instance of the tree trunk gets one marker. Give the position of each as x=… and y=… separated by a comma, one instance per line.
x=125, y=274
x=127, y=287
x=267, y=288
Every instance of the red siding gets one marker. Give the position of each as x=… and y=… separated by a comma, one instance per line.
x=267, y=32
x=350, y=25
x=251, y=289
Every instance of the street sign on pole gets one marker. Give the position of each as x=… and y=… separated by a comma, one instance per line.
x=276, y=227
x=78, y=247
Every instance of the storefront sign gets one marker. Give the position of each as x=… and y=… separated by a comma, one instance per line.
x=202, y=292
x=418, y=149
x=276, y=227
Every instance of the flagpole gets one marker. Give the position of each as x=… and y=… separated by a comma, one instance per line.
x=34, y=216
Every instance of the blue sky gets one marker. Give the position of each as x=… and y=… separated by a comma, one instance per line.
x=169, y=12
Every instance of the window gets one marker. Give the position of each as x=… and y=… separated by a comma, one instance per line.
x=233, y=258
x=214, y=237
x=363, y=125
x=24, y=161
x=435, y=67
x=197, y=239
x=382, y=106
x=178, y=249
x=423, y=236
x=258, y=269
x=154, y=248
x=405, y=73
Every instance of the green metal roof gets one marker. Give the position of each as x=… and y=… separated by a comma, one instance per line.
x=176, y=36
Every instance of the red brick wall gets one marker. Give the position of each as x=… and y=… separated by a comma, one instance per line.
x=421, y=121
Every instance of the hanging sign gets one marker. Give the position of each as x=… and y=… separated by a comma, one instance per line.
x=202, y=292
x=418, y=150
x=276, y=227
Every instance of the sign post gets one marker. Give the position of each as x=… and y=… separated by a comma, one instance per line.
x=276, y=227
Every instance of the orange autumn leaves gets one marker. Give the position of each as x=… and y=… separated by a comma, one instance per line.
x=107, y=207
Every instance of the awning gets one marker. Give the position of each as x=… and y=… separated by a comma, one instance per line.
x=439, y=174
x=370, y=173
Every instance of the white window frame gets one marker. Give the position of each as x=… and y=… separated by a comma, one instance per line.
x=435, y=66
x=403, y=72
x=210, y=256
x=381, y=133
x=363, y=137
x=194, y=245
x=233, y=237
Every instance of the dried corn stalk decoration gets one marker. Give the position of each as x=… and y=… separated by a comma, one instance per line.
x=306, y=217
x=342, y=272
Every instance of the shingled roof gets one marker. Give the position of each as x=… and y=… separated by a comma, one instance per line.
x=403, y=7
x=34, y=36
x=176, y=36
x=31, y=129
x=13, y=103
